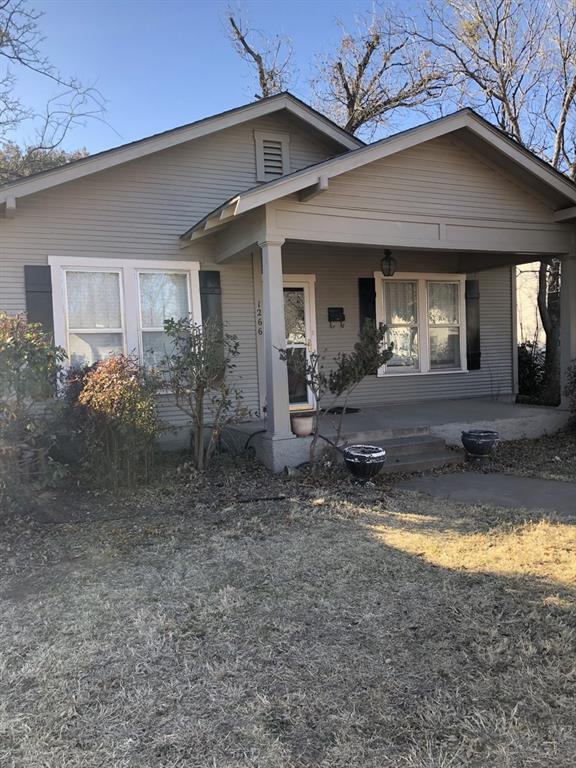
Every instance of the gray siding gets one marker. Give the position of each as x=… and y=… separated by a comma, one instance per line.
x=441, y=177
x=337, y=270
x=138, y=210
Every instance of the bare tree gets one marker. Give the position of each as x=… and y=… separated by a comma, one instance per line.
x=560, y=101
x=376, y=70
x=20, y=48
x=270, y=56
x=515, y=62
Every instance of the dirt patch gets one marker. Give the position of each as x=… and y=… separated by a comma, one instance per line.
x=334, y=627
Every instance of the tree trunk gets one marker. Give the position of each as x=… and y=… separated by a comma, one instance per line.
x=199, y=435
x=549, y=307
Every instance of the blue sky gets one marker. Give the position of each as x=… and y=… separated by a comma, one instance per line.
x=162, y=63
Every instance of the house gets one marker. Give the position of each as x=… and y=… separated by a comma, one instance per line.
x=275, y=217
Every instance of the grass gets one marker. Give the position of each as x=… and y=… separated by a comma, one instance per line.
x=335, y=628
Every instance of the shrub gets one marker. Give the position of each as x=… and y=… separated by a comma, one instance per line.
x=531, y=368
x=29, y=366
x=114, y=405
x=197, y=373
x=346, y=371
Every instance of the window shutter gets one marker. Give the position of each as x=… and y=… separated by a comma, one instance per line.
x=38, y=289
x=367, y=300
x=210, y=295
x=473, y=353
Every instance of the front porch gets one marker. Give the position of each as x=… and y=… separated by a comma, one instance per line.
x=397, y=423
x=417, y=413
x=459, y=205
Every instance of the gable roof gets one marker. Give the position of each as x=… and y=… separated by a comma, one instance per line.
x=527, y=165
x=171, y=138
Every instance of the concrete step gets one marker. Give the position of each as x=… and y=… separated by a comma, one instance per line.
x=422, y=462
x=415, y=453
x=374, y=436
x=402, y=446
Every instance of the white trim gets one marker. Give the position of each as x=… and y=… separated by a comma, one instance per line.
x=423, y=279
x=174, y=137
x=299, y=278
x=129, y=271
x=90, y=261
x=391, y=374
x=260, y=137
x=514, y=311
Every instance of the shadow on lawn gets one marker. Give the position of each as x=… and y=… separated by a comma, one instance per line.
x=431, y=643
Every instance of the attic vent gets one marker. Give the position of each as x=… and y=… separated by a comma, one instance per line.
x=272, y=150
x=272, y=155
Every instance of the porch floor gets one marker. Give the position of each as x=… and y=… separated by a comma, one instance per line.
x=442, y=418
x=447, y=418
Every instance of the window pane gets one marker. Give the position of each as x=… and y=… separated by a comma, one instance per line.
x=294, y=315
x=155, y=347
x=297, y=389
x=163, y=295
x=400, y=302
x=405, y=347
x=443, y=303
x=87, y=348
x=444, y=347
x=93, y=299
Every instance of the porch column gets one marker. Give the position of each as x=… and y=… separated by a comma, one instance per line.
x=567, y=319
x=277, y=401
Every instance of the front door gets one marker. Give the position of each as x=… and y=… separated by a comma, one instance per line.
x=300, y=321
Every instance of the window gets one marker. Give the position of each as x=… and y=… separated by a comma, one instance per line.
x=94, y=312
x=401, y=318
x=163, y=296
x=424, y=316
x=272, y=155
x=109, y=306
x=444, y=325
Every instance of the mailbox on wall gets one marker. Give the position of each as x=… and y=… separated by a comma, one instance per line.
x=336, y=315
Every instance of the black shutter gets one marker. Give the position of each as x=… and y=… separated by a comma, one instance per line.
x=473, y=325
x=38, y=288
x=210, y=295
x=367, y=300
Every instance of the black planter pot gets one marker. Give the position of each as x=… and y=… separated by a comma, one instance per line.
x=364, y=461
x=479, y=443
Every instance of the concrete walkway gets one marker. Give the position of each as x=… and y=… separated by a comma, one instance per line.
x=499, y=490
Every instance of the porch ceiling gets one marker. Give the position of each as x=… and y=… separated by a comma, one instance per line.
x=456, y=261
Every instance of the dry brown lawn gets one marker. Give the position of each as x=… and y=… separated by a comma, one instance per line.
x=337, y=627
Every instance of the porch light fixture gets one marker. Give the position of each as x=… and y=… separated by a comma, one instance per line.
x=388, y=264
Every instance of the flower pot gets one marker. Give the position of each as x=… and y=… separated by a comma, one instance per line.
x=302, y=424
x=364, y=461
x=479, y=443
